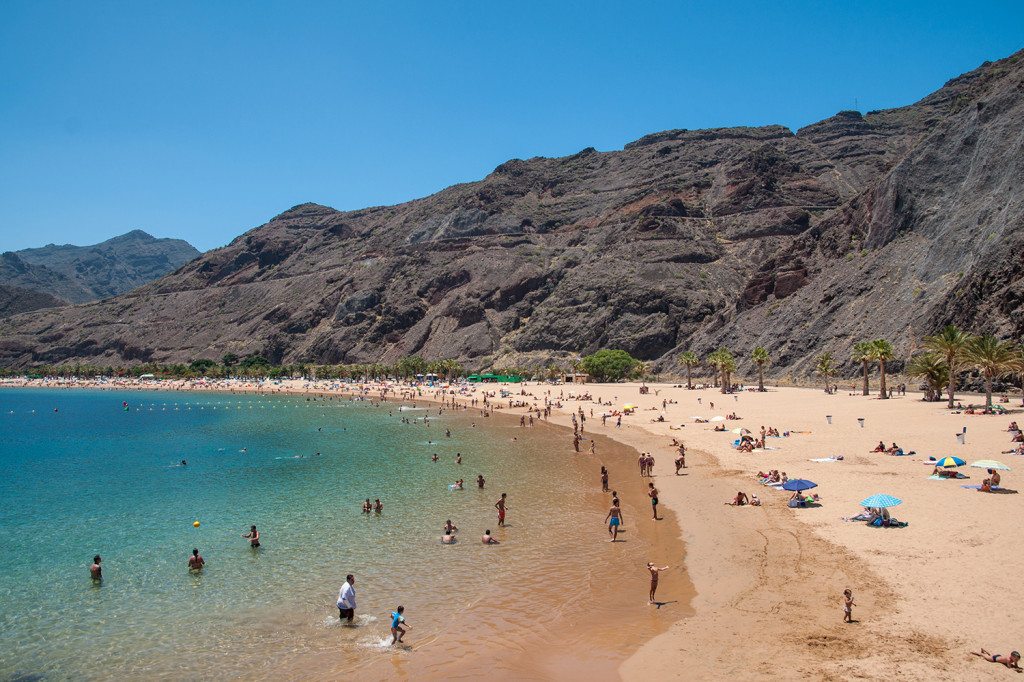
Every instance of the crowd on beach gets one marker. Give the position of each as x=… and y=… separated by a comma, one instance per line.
x=540, y=407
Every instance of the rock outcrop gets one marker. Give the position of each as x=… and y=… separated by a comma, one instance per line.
x=884, y=224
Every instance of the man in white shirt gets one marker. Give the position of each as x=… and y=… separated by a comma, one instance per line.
x=347, y=599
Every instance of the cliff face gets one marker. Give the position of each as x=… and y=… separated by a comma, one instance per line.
x=886, y=224
x=76, y=274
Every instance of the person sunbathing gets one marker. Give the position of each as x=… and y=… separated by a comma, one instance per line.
x=880, y=447
x=759, y=444
x=1019, y=438
x=746, y=446
x=755, y=501
x=740, y=500
x=894, y=449
x=994, y=478
x=720, y=427
x=1012, y=661
x=1012, y=426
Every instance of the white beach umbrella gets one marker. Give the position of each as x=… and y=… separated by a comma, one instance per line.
x=989, y=464
x=717, y=419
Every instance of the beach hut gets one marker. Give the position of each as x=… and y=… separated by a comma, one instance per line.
x=575, y=378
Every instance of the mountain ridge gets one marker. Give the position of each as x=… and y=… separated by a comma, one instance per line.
x=66, y=273
x=682, y=239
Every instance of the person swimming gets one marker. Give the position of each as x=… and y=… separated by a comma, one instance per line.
x=487, y=539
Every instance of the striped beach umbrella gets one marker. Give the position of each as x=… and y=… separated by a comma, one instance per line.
x=950, y=462
x=880, y=500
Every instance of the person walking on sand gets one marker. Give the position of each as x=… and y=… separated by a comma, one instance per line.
x=1011, y=661
x=652, y=492
x=614, y=520
x=848, y=605
x=501, y=506
x=347, y=599
x=196, y=562
x=398, y=625
x=654, y=580
x=604, y=479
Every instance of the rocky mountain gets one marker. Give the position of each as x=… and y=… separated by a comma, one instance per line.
x=883, y=224
x=76, y=274
x=14, y=300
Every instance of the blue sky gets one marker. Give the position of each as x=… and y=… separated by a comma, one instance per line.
x=202, y=120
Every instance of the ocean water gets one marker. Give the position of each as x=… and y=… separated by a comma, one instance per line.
x=82, y=475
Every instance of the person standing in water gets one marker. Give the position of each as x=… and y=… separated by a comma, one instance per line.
x=347, y=599
x=96, y=571
x=614, y=520
x=398, y=625
x=652, y=492
x=501, y=507
x=654, y=580
x=196, y=562
x=480, y=481
x=253, y=536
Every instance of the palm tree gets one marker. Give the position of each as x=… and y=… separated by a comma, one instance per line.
x=761, y=357
x=714, y=361
x=933, y=368
x=950, y=344
x=826, y=369
x=689, y=359
x=881, y=352
x=994, y=359
x=862, y=354
x=726, y=365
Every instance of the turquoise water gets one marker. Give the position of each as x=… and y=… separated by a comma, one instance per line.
x=94, y=478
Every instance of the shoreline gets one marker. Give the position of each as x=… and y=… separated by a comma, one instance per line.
x=663, y=544
x=768, y=580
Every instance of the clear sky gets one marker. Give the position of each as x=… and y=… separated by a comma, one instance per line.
x=201, y=120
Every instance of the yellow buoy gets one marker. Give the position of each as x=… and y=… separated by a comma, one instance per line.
x=195, y=524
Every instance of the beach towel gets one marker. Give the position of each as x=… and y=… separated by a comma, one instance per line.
x=936, y=477
x=978, y=487
x=826, y=459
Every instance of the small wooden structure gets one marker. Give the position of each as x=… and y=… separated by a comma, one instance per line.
x=575, y=378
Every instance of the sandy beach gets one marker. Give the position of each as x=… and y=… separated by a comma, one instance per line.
x=769, y=579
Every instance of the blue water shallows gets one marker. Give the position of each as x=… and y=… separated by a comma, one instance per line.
x=93, y=477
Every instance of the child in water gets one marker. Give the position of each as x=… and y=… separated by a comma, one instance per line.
x=398, y=625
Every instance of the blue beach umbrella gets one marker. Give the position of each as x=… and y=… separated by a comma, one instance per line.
x=880, y=501
x=950, y=462
x=799, y=484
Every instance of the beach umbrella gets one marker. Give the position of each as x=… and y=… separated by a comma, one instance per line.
x=629, y=406
x=741, y=431
x=990, y=464
x=717, y=419
x=950, y=462
x=799, y=484
x=880, y=501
